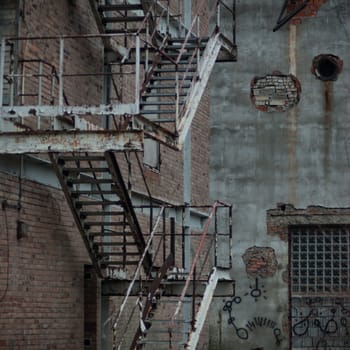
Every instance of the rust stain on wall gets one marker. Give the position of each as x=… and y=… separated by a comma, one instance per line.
x=292, y=121
x=327, y=123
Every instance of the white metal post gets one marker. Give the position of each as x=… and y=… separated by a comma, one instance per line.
x=137, y=75
x=60, y=83
x=40, y=88
x=2, y=68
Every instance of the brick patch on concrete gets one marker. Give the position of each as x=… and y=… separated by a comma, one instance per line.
x=275, y=92
x=260, y=261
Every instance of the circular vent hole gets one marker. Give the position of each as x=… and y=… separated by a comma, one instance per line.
x=327, y=67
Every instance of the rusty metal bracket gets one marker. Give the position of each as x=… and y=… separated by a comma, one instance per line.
x=281, y=21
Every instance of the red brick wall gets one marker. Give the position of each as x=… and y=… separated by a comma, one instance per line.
x=41, y=275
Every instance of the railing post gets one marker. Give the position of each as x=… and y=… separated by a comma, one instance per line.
x=2, y=68
x=60, y=84
x=234, y=22
x=216, y=238
x=137, y=75
x=230, y=236
x=172, y=236
x=218, y=14
x=40, y=83
x=60, y=77
x=177, y=97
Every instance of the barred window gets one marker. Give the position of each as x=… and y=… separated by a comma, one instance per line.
x=320, y=258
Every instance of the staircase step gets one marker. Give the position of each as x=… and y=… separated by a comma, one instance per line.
x=156, y=94
x=111, y=233
x=92, y=202
x=76, y=193
x=181, y=62
x=85, y=170
x=122, y=19
x=154, y=86
x=158, y=103
x=126, y=254
x=81, y=158
x=118, y=263
x=189, y=40
x=156, y=341
x=101, y=213
x=157, y=111
x=167, y=321
x=104, y=223
x=115, y=244
x=172, y=78
x=89, y=181
x=120, y=7
x=168, y=120
x=174, y=70
x=125, y=31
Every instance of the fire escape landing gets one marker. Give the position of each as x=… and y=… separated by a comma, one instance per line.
x=168, y=65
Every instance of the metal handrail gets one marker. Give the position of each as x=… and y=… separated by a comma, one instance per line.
x=136, y=275
x=192, y=270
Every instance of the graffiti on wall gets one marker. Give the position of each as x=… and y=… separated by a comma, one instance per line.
x=244, y=331
x=321, y=323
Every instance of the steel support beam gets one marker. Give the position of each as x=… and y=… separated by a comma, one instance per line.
x=70, y=141
x=207, y=63
x=51, y=111
x=170, y=288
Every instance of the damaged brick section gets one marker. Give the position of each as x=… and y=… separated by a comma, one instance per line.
x=278, y=220
x=275, y=92
x=260, y=261
x=310, y=10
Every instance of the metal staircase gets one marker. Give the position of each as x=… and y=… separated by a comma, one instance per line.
x=146, y=44
x=171, y=65
x=99, y=201
x=174, y=304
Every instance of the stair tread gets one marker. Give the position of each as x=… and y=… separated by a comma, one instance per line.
x=81, y=158
x=110, y=234
x=157, y=111
x=158, y=103
x=90, y=181
x=125, y=31
x=118, y=263
x=122, y=19
x=101, y=213
x=165, y=94
x=92, y=192
x=85, y=170
x=120, y=254
x=105, y=223
x=115, y=244
x=92, y=202
x=174, y=70
x=120, y=7
x=161, y=86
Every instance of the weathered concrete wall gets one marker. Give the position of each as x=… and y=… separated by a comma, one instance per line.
x=258, y=159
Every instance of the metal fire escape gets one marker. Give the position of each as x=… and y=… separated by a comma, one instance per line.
x=148, y=47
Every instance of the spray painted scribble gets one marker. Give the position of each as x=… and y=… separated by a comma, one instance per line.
x=321, y=323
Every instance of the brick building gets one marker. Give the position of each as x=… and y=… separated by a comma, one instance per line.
x=106, y=229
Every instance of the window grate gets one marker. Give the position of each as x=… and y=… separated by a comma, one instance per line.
x=320, y=259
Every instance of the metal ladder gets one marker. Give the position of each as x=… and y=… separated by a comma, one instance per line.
x=99, y=201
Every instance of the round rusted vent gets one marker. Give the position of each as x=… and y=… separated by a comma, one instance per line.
x=327, y=67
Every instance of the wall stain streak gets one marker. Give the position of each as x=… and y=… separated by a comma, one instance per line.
x=292, y=122
x=327, y=123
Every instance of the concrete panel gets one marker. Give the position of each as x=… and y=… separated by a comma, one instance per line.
x=259, y=159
